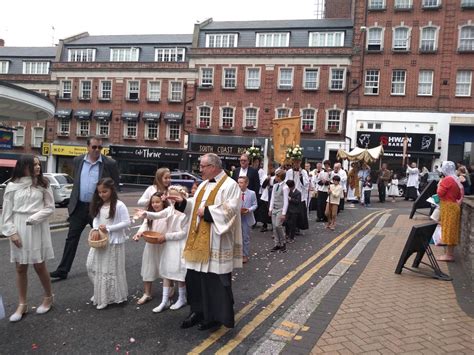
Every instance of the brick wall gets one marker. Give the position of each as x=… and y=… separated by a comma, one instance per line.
x=338, y=9
x=466, y=243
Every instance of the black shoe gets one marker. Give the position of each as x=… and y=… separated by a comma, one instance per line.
x=58, y=275
x=207, y=325
x=193, y=319
x=264, y=229
x=275, y=248
x=283, y=249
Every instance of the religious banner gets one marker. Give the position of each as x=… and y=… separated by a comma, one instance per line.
x=286, y=133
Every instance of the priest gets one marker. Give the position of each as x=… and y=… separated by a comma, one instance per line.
x=213, y=248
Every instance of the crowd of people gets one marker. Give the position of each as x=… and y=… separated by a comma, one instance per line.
x=201, y=235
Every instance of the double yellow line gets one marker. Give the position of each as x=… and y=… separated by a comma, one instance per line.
x=273, y=306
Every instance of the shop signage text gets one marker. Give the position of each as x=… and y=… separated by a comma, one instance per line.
x=146, y=153
x=394, y=141
x=218, y=149
x=67, y=150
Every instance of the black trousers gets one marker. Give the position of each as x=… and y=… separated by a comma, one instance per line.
x=291, y=222
x=321, y=205
x=411, y=193
x=211, y=295
x=78, y=220
x=341, y=205
x=382, y=192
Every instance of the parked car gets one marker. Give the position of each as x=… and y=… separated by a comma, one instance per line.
x=184, y=178
x=402, y=183
x=61, y=184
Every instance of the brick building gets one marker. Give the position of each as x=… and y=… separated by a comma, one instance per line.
x=412, y=72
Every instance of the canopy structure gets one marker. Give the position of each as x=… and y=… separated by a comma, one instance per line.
x=361, y=154
x=20, y=104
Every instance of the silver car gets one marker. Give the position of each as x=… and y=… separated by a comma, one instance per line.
x=61, y=184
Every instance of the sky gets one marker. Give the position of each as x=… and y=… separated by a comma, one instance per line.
x=34, y=23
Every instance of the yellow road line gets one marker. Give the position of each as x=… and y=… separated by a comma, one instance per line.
x=283, y=296
x=215, y=336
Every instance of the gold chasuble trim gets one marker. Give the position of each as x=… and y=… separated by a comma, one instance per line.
x=198, y=245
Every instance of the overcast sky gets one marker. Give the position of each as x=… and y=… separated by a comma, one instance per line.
x=31, y=22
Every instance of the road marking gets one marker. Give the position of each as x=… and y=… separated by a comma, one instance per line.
x=249, y=307
x=283, y=333
x=290, y=325
x=307, y=303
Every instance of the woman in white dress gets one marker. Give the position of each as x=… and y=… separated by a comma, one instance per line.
x=161, y=183
x=27, y=203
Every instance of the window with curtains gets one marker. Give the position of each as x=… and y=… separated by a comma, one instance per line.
x=425, y=83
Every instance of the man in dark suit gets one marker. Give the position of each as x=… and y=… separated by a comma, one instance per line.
x=88, y=170
x=251, y=173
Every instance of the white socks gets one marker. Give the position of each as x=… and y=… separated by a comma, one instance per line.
x=181, y=302
x=165, y=302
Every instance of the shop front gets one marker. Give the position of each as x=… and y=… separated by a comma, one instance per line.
x=137, y=165
x=313, y=150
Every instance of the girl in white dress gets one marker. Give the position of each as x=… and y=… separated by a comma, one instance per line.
x=27, y=203
x=152, y=252
x=161, y=183
x=106, y=266
x=393, y=188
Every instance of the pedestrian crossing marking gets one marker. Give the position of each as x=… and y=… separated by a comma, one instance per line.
x=289, y=324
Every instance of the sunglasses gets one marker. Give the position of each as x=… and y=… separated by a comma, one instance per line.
x=94, y=147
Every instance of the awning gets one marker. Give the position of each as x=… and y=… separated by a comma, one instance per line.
x=361, y=154
x=63, y=113
x=150, y=116
x=103, y=115
x=175, y=117
x=7, y=163
x=82, y=114
x=130, y=115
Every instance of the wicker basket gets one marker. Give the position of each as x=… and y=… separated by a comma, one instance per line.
x=101, y=243
x=151, y=236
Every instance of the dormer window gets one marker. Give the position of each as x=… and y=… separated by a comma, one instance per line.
x=221, y=40
x=130, y=54
x=81, y=55
x=277, y=39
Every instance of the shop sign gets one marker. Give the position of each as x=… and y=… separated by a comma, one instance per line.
x=145, y=153
x=393, y=142
x=225, y=149
x=69, y=150
x=6, y=139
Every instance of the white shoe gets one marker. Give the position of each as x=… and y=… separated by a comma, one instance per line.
x=101, y=306
x=92, y=299
x=178, y=304
x=162, y=306
x=45, y=309
x=18, y=315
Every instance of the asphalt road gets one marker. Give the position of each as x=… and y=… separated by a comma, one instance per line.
x=75, y=326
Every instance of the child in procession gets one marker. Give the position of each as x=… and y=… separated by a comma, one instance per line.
x=249, y=205
x=106, y=266
x=294, y=203
x=278, y=209
x=393, y=188
x=334, y=198
x=367, y=190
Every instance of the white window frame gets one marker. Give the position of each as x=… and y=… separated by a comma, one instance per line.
x=379, y=7
x=398, y=83
x=470, y=40
x=305, y=121
x=227, y=118
x=83, y=128
x=425, y=82
x=429, y=40
x=204, y=121
x=153, y=90
x=19, y=136
x=221, y=40
x=206, y=81
x=396, y=47
x=464, y=83
x=430, y=4
x=36, y=67
x=272, y=39
x=170, y=54
x=66, y=93
x=326, y=39
x=64, y=126
x=173, y=126
x=311, y=84
x=130, y=129
x=37, y=136
x=280, y=110
x=370, y=85
x=152, y=127
x=133, y=90
x=81, y=55
x=333, y=80
x=103, y=128
x=173, y=93
x=250, y=122
x=249, y=80
x=285, y=85
x=403, y=4
x=4, y=66
x=227, y=81
x=339, y=120
x=103, y=90
x=124, y=54
x=84, y=90
x=375, y=41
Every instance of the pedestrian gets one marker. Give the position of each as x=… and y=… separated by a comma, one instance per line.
x=334, y=199
x=152, y=252
x=89, y=168
x=300, y=178
x=353, y=191
x=246, y=170
x=278, y=209
x=194, y=188
x=413, y=182
x=294, y=210
x=338, y=171
x=383, y=180
x=267, y=189
x=451, y=194
x=322, y=183
x=393, y=188
x=261, y=214
x=106, y=266
x=161, y=183
x=465, y=179
x=214, y=226
x=27, y=203
x=249, y=205
x=367, y=190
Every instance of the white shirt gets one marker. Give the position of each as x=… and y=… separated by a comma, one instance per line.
x=243, y=172
x=286, y=192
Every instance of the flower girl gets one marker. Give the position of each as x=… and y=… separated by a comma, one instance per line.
x=393, y=188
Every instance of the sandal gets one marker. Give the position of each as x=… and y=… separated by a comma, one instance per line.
x=144, y=299
x=446, y=258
